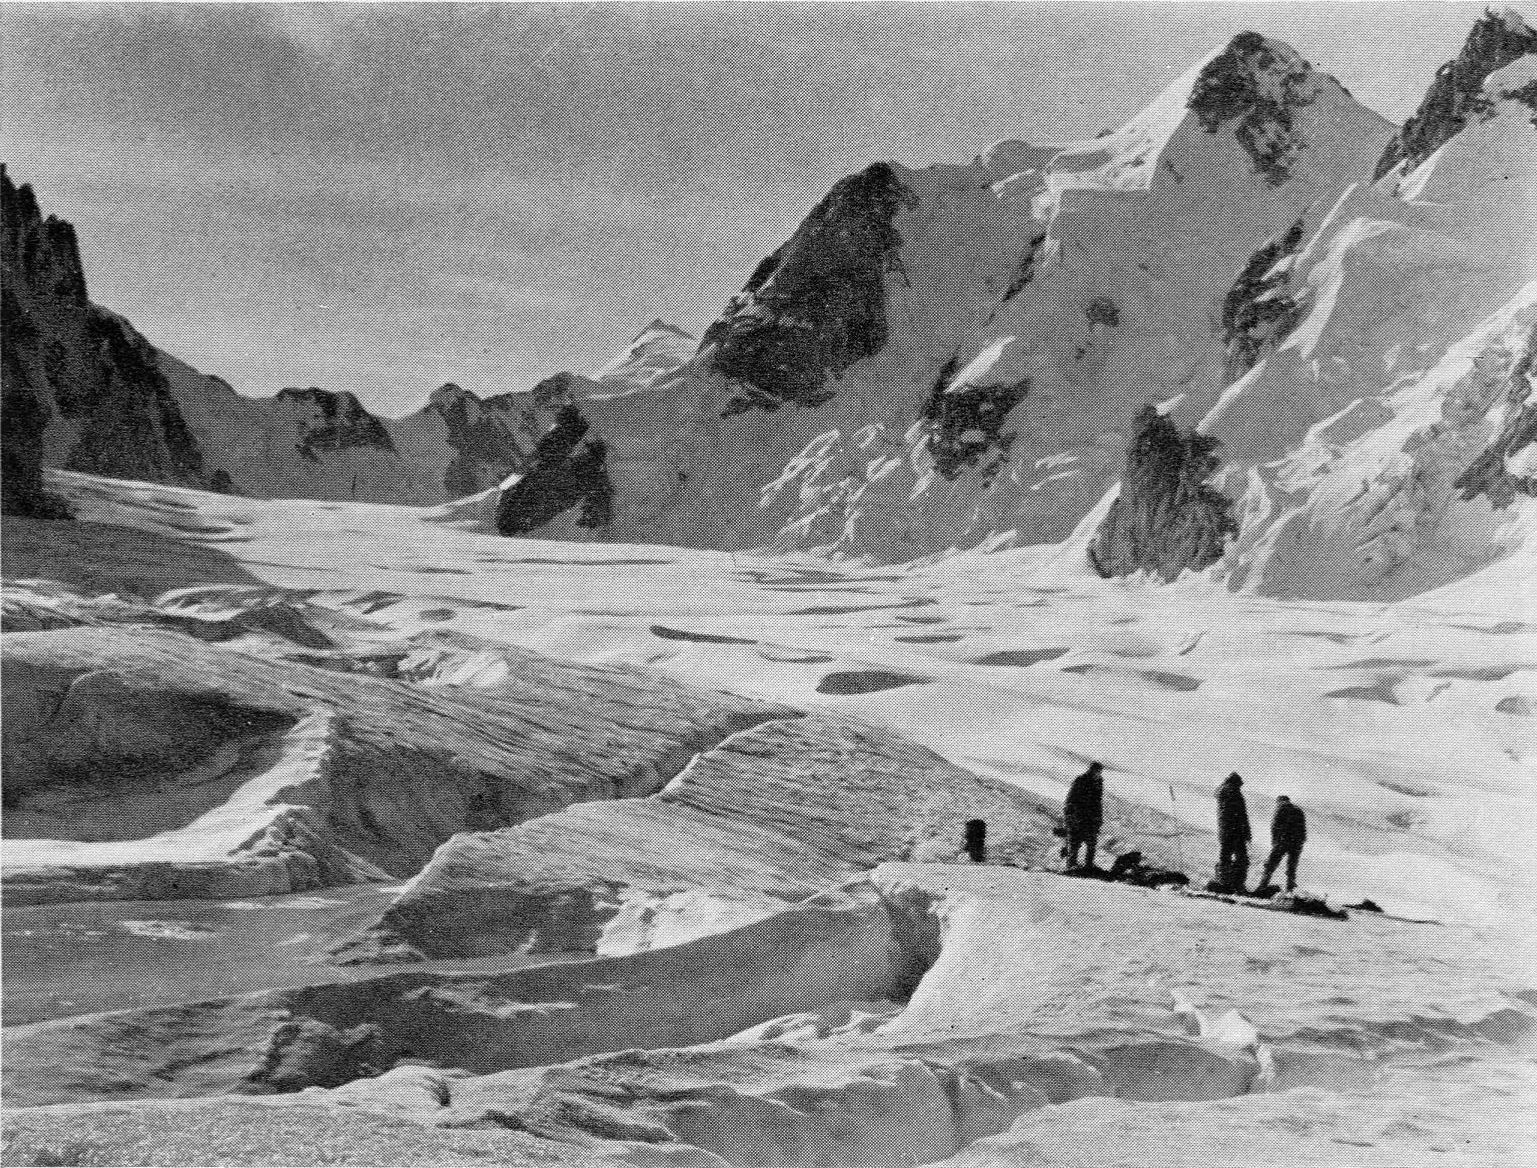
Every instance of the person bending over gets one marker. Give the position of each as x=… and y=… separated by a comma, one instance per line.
x=1288, y=832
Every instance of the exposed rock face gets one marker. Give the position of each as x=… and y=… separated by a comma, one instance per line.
x=566, y=473
x=490, y=437
x=1251, y=83
x=1259, y=313
x=335, y=421
x=1507, y=467
x=1166, y=518
x=82, y=389
x=966, y=422
x=1457, y=94
x=818, y=304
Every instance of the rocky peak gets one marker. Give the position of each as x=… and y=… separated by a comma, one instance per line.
x=1258, y=84
x=42, y=255
x=1498, y=39
x=818, y=304
x=82, y=387
x=338, y=421
x=660, y=327
x=566, y=473
x=1166, y=518
x=449, y=395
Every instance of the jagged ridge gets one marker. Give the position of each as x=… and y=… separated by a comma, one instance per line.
x=82, y=387
x=1498, y=39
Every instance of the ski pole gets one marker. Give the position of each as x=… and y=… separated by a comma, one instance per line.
x=1179, y=831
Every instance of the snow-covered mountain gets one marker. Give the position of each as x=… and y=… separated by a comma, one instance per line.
x=938, y=357
x=318, y=444
x=958, y=357
x=990, y=354
x=1382, y=445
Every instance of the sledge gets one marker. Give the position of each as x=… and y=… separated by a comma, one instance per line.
x=1129, y=868
x=1297, y=905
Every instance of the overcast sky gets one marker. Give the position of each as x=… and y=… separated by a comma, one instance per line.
x=382, y=198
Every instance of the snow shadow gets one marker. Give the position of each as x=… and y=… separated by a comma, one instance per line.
x=1020, y=658
x=842, y=610
x=865, y=681
x=668, y=634
x=1174, y=681
x=1381, y=691
x=99, y=558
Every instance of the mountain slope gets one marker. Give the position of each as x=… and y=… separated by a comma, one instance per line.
x=1378, y=444
x=82, y=388
x=318, y=444
x=942, y=357
x=85, y=391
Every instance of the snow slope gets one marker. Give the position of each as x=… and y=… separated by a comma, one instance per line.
x=954, y=357
x=1023, y=663
x=923, y=1011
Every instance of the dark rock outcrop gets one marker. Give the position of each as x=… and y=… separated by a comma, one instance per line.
x=484, y=433
x=568, y=471
x=1456, y=95
x=966, y=421
x=26, y=418
x=1259, y=311
x=83, y=389
x=340, y=421
x=1167, y=518
x=1229, y=89
x=1489, y=474
x=1496, y=40
x=818, y=304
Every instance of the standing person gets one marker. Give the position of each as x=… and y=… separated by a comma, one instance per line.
x=1233, y=834
x=1288, y=832
x=976, y=840
x=1083, y=813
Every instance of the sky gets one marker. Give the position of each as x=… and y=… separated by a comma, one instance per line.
x=385, y=197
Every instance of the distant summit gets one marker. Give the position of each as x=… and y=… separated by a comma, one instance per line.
x=85, y=391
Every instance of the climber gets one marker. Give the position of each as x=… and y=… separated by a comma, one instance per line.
x=976, y=840
x=1083, y=811
x=1233, y=835
x=1288, y=832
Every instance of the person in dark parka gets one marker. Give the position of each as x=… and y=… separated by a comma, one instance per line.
x=1233, y=834
x=1083, y=813
x=1288, y=832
